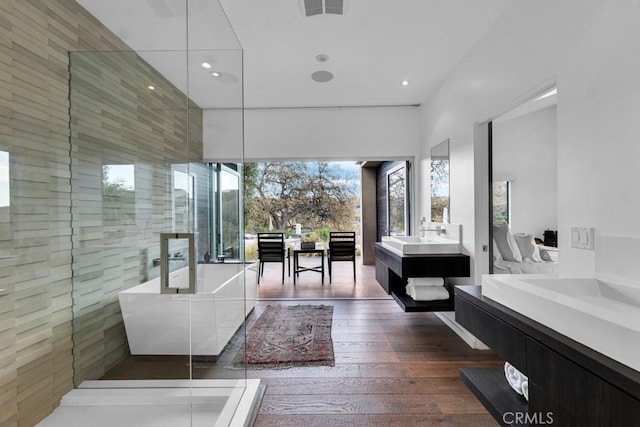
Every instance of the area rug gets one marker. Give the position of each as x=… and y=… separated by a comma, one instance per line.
x=289, y=336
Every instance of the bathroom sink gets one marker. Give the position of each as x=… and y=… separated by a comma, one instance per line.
x=415, y=245
x=602, y=314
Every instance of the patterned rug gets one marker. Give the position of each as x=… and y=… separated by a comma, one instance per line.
x=289, y=336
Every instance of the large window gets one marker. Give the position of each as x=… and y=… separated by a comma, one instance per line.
x=397, y=202
x=501, y=202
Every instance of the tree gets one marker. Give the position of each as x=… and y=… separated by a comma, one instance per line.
x=439, y=188
x=314, y=194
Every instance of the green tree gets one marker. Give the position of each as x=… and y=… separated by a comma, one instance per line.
x=250, y=172
x=315, y=195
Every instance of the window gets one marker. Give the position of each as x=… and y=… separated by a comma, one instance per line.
x=397, y=202
x=501, y=202
x=184, y=212
x=5, y=187
x=5, y=197
x=118, y=195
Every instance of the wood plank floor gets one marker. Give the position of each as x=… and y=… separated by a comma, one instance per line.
x=392, y=368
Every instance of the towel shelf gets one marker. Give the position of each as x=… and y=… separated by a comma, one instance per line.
x=393, y=270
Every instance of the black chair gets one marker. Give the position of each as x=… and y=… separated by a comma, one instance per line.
x=270, y=249
x=342, y=247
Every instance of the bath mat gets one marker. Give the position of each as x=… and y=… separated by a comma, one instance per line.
x=289, y=336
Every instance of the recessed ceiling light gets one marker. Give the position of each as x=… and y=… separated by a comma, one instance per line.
x=151, y=87
x=215, y=74
x=405, y=82
x=206, y=65
x=322, y=58
x=321, y=76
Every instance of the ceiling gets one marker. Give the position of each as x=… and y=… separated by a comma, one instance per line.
x=371, y=48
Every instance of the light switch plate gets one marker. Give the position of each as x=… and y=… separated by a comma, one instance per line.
x=582, y=237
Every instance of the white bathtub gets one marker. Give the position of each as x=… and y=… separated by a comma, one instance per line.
x=160, y=323
x=601, y=314
x=158, y=403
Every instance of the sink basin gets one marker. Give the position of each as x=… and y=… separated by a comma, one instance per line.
x=599, y=313
x=414, y=245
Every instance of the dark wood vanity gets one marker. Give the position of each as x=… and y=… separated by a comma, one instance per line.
x=569, y=384
x=393, y=270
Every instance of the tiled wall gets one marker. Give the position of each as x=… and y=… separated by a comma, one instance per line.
x=36, y=363
x=117, y=120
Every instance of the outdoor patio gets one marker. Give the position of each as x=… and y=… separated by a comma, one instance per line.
x=309, y=285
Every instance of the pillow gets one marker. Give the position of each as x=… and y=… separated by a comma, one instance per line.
x=497, y=256
x=528, y=249
x=549, y=255
x=506, y=243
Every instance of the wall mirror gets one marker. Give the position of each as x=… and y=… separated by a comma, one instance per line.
x=397, y=196
x=118, y=194
x=440, y=196
x=5, y=196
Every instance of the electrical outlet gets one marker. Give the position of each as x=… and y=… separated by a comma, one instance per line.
x=582, y=237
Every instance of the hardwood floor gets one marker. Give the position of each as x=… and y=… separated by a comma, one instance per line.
x=391, y=369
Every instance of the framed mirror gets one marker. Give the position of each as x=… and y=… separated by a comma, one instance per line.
x=440, y=196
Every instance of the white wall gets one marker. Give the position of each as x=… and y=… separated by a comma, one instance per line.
x=590, y=48
x=347, y=133
x=524, y=152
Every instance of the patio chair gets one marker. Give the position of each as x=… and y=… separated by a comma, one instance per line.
x=342, y=247
x=271, y=249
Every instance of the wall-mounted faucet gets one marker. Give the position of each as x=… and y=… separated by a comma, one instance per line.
x=439, y=229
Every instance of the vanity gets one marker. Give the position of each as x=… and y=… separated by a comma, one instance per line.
x=570, y=383
x=399, y=258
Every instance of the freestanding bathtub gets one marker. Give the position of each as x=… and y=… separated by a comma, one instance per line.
x=197, y=324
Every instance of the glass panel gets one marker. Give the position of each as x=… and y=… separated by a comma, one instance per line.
x=397, y=202
x=440, y=196
x=138, y=172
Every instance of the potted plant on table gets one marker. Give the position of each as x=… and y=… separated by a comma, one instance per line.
x=308, y=242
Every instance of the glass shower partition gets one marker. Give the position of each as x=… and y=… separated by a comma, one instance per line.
x=139, y=133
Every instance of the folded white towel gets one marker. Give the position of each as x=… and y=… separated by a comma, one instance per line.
x=515, y=378
x=428, y=293
x=425, y=281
